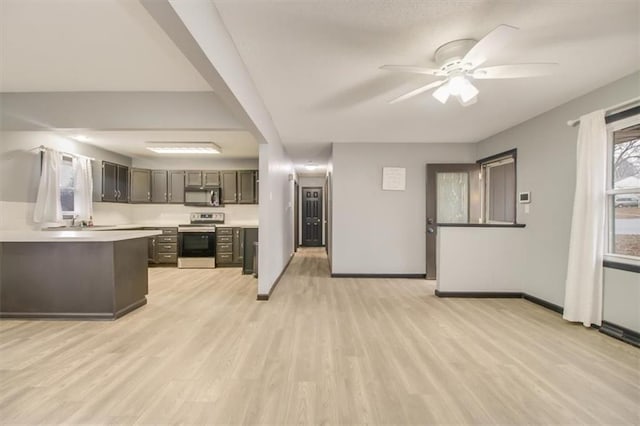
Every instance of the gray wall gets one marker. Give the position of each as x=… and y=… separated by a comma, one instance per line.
x=20, y=166
x=376, y=231
x=546, y=167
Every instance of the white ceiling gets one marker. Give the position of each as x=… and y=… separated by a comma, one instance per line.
x=315, y=62
x=96, y=45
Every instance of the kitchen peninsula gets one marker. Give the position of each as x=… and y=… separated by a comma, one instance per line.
x=73, y=274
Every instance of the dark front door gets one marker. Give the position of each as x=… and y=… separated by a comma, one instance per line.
x=312, y=216
x=453, y=196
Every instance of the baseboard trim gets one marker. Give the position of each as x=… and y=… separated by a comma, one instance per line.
x=621, y=333
x=411, y=276
x=480, y=294
x=552, y=306
x=135, y=305
x=265, y=297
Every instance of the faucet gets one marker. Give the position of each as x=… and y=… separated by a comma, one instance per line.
x=73, y=220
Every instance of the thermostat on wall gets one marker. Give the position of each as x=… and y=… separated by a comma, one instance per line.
x=524, y=197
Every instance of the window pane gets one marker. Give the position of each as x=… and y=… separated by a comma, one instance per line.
x=501, y=193
x=626, y=158
x=67, y=185
x=453, y=198
x=626, y=226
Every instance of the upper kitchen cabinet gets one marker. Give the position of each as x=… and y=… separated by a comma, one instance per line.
x=202, y=178
x=247, y=186
x=239, y=187
x=140, y=185
x=176, y=180
x=158, y=186
x=229, y=186
x=115, y=182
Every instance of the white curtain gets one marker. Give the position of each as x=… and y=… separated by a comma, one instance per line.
x=83, y=192
x=48, y=209
x=583, y=288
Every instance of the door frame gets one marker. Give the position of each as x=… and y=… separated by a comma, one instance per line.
x=431, y=205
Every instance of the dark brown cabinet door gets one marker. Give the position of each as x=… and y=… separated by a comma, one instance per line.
x=123, y=184
x=193, y=178
x=238, y=245
x=109, y=182
x=140, y=186
x=246, y=187
x=159, y=191
x=229, y=186
x=176, y=186
x=210, y=178
x=115, y=182
x=312, y=216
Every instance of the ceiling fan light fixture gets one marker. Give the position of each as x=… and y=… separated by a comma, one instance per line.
x=442, y=93
x=183, y=147
x=468, y=92
x=456, y=84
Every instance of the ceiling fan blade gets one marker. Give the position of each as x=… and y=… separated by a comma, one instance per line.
x=490, y=43
x=413, y=70
x=514, y=71
x=417, y=91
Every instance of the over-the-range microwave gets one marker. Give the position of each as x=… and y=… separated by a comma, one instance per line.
x=202, y=197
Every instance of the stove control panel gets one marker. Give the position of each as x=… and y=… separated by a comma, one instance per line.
x=207, y=217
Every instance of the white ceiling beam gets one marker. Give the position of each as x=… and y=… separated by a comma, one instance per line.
x=197, y=29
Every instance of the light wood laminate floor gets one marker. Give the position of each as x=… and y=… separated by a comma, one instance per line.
x=321, y=351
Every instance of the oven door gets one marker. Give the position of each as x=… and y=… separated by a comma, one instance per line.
x=197, y=244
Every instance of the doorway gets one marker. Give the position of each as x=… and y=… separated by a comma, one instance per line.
x=453, y=196
x=311, y=216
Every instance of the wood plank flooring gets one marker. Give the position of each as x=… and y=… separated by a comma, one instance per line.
x=321, y=351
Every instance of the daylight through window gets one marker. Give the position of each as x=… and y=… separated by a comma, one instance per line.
x=624, y=189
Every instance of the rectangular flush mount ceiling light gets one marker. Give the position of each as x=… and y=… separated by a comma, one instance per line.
x=183, y=147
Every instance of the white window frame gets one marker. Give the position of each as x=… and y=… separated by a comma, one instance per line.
x=611, y=192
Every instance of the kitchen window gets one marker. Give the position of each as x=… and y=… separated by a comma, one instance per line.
x=623, y=194
x=498, y=174
x=67, y=187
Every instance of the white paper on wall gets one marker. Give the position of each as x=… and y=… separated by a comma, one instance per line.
x=394, y=178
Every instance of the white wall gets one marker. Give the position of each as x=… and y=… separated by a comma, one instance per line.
x=622, y=298
x=546, y=167
x=275, y=213
x=383, y=232
x=481, y=259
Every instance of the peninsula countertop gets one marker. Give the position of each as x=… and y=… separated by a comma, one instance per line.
x=74, y=236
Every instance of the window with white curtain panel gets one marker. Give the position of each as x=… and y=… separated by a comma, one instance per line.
x=623, y=194
x=67, y=187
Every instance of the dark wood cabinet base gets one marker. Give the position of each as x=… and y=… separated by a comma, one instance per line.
x=73, y=280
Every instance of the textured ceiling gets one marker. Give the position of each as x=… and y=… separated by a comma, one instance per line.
x=95, y=45
x=315, y=63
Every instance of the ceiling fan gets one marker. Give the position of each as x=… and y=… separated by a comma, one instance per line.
x=458, y=63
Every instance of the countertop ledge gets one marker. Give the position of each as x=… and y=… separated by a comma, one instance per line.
x=483, y=225
x=73, y=236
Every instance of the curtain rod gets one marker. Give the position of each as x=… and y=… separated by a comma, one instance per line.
x=43, y=148
x=610, y=110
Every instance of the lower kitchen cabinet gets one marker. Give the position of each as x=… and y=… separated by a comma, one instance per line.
x=250, y=237
x=163, y=249
x=229, y=246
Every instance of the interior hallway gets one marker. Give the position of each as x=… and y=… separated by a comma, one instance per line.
x=321, y=350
